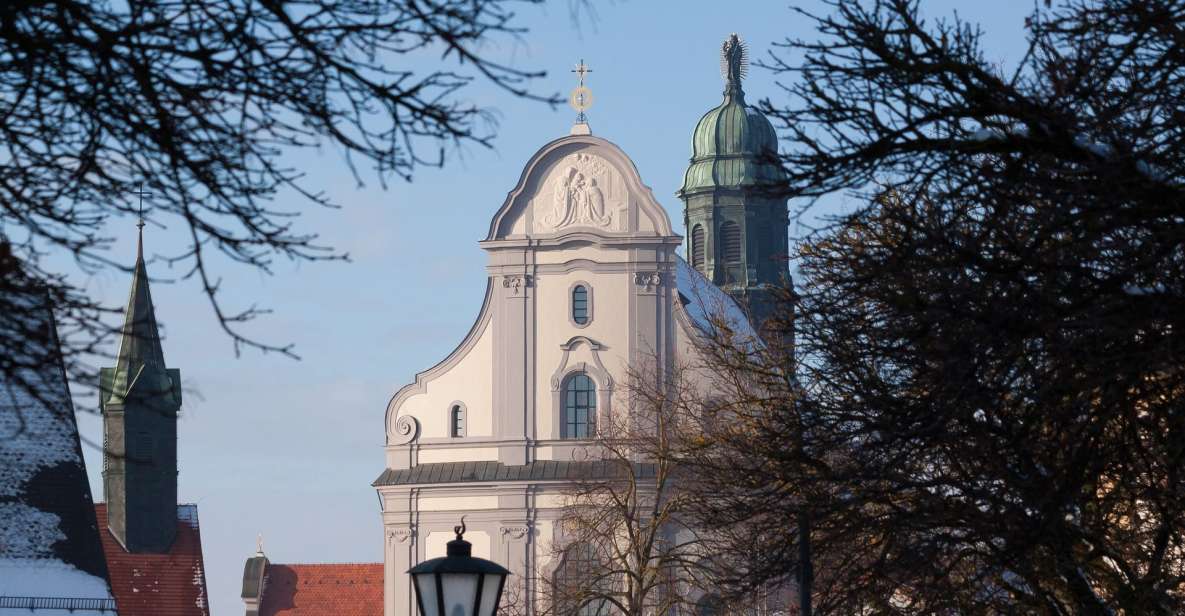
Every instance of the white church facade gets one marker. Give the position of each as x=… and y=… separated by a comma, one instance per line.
x=583, y=282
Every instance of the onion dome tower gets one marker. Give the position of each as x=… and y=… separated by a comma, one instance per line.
x=140, y=400
x=734, y=196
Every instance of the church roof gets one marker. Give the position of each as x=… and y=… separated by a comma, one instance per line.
x=709, y=307
x=341, y=589
x=140, y=365
x=734, y=145
x=50, y=553
x=167, y=584
x=482, y=471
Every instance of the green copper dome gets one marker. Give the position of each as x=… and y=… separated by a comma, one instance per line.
x=734, y=145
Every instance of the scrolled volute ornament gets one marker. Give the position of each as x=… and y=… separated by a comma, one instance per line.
x=407, y=428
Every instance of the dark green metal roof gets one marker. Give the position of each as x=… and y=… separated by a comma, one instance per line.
x=733, y=146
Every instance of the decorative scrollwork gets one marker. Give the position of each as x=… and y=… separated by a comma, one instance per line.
x=400, y=535
x=407, y=428
x=516, y=532
x=516, y=283
x=648, y=281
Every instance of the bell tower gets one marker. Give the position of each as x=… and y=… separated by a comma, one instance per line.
x=140, y=399
x=733, y=194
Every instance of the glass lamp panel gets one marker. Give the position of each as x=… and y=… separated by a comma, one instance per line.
x=489, y=594
x=460, y=593
x=426, y=589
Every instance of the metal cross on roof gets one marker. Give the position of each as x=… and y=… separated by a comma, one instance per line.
x=581, y=70
x=140, y=192
x=581, y=97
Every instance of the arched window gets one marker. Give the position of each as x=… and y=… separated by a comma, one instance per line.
x=579, y=581
x=697, y=247
x=580, y=407
x=730, y=242
x=580, y=304
x=457, y=421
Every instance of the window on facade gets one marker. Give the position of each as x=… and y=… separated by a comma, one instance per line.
x=457, y=421
x=697, y=247
x=730, y=242
x=580, y=407
x=580, y=304
x=579, y=580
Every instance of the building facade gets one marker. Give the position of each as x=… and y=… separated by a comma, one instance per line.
x=583, y=283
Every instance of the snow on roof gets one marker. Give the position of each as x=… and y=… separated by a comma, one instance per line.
x=709, y=307
x=49, y=542
x=41, y=577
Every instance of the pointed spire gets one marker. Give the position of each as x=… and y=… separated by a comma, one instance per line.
x=141, y=360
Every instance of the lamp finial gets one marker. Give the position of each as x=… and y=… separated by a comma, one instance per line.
x=460, y=530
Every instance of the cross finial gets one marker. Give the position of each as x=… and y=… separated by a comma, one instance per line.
x=140, y=193
x=140, y=223
x=581, y=99
x=581, y=70
x=259, y=544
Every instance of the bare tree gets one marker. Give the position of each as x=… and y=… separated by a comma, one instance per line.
x=201, y=100
x=985, y=415
x=624, y=547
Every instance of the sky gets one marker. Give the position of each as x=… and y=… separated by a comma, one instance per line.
x=288, y=449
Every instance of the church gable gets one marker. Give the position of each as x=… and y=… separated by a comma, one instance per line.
x=579, y=185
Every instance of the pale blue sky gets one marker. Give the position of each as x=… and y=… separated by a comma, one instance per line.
x=289, y=448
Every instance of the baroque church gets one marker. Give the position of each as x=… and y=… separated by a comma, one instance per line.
x=584, y=280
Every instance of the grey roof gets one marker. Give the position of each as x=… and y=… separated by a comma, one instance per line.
x=488, y=471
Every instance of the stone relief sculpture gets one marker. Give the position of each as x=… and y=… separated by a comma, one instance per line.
x=576, y=197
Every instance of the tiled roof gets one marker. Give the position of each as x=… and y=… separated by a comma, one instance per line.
x=323, y=590
x=169, y=584
x=49, y=539
x=539, y=470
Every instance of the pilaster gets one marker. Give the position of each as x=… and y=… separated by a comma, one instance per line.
x=514, y=365
x=400, y=553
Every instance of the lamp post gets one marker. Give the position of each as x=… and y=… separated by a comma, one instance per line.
x=458, y=584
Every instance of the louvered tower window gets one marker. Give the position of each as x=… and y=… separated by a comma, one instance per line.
x=697, y=247
x=730, y=242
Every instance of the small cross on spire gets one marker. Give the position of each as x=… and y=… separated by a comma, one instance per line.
x=140, y=193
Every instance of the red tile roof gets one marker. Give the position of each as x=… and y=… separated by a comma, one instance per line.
x=170, y=584
x=323, y=590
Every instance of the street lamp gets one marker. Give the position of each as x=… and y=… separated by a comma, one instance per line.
x=458, y=584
